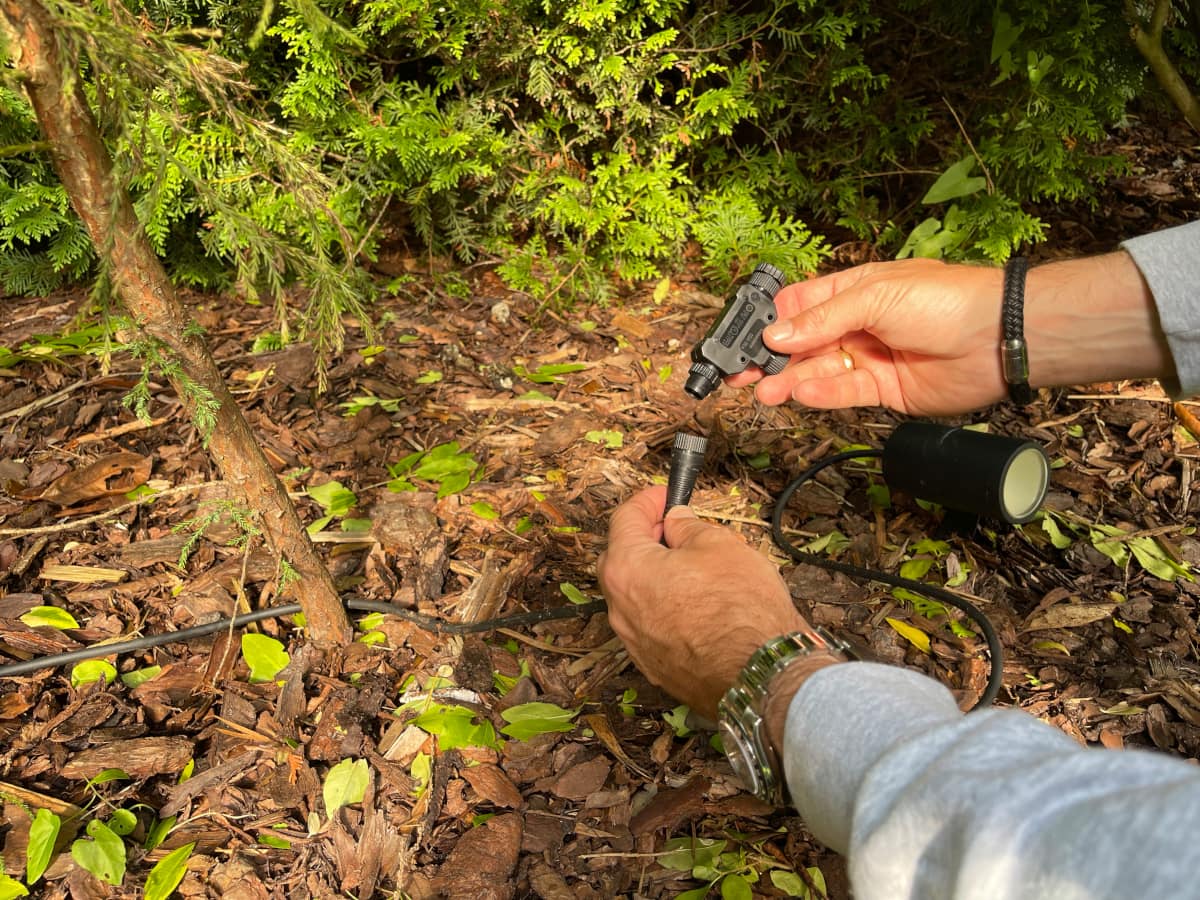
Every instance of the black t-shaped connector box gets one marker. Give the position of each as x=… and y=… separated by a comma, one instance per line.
x=735, y=339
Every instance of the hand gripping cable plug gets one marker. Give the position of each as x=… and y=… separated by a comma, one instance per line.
x=735, y=341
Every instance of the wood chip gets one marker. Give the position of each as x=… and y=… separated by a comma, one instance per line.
x=139, y=758
x=82, y=574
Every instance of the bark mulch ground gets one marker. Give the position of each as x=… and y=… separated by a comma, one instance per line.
x=564, y=416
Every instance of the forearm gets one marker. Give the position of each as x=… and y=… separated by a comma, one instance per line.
x=928, y=803
x=1090, y=320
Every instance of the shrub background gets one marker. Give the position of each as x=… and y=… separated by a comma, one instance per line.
x=571, y=142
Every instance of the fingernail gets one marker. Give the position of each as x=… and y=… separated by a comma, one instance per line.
x=780, y=331
x=680, y=512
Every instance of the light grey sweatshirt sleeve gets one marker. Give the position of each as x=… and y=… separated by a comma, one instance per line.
x=1169, y=260
x=929, y=804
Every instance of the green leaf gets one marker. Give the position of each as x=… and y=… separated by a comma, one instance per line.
x=677, y=719
x=1151, y=557
x=574, y=594
x=356, y=525
x=548, y=374
x=1100, y=536
x=421, y=770
x=612, y=440
x=955, y=182
x=345, y=783
x=104, y=855
x=333, y=498
x=158, y=831
x=916, y=569
x=140, y=676
x=789, y=882
x=528, y=720
x=50, y=616
x=735, y=887
x=108, y=775
x=1004, y=35
x=168, y=872
x=10, y=888
x=122, y=822
x=278, y=843
x=484, y=510
x=685, y=854
x=664, y=374
x=455, y=726
x=828, y=543
x=693, y=894
x=431, y=377
x=265, y=656
x=661, y=290
x=910, y=633
x=43, y=833
x=92, y=670
x=1057, y=538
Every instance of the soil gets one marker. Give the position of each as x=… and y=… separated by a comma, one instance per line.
x=1105, y=652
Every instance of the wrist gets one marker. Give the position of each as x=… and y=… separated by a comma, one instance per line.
x=785, y=686
x=1091, y=320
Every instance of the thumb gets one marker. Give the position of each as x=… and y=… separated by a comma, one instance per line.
x=681, y=527
x=825, y=324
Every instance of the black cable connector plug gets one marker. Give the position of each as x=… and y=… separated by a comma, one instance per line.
x=687, y=456
x=734, y=341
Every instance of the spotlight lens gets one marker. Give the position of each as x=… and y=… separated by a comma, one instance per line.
x=1025, y=483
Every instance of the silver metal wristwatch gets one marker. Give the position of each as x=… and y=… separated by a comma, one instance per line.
x=742, y=711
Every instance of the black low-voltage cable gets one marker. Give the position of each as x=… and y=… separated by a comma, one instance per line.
x=995, y=651
x=429, y=623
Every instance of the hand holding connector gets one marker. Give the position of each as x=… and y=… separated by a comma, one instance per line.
x=735, y=341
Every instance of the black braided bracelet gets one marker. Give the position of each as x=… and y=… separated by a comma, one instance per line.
x=1014, y=356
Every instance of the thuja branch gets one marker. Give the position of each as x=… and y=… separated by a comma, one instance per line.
x=86, y=171
x=1148, y=37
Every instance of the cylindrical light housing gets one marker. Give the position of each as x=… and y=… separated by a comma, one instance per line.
x=1000, y=477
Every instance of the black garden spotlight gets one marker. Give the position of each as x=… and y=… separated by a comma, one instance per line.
x=993, y=476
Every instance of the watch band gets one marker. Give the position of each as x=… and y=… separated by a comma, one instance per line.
x=1014, y=355
x=741, y=712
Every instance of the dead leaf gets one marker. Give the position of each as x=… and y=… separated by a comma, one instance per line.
x=493, y=785
x=117, y=473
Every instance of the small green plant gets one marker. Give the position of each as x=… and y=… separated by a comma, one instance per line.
x=355, y=405
x=209, y=513
x=735, y=870
x=528, y=720
x=335, y=501
x=444, y=465
x=1120, y=546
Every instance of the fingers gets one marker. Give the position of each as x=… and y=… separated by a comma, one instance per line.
x=682, y=529
x=638, y=521
x=802, y=295
x=856, y=388
x=853, y=310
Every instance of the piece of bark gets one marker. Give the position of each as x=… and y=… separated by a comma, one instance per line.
x=481, y=865
x=490, y=783
x=139, y=758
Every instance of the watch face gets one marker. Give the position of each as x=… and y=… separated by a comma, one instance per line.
x=740, y=755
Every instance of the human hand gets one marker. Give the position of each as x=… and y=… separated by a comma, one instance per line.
x=691, y=615
x=922, y=337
